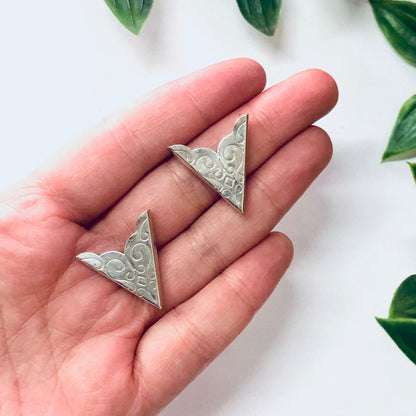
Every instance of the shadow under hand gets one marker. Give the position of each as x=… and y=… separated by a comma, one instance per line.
x=233, y=369
x=262, y=345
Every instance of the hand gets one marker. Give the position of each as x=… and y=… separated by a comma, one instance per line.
x=74, y=343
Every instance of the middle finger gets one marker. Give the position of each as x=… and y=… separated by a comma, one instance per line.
x=174, y=194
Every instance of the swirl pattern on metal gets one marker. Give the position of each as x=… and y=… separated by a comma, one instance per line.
x=136, y=269
x=224, y=170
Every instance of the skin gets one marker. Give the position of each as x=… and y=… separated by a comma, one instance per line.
x=73, y=342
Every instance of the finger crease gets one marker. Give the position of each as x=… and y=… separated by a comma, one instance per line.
x=197, y=342
x=208, y=251
x=194, y=101
x=266, y=193
x=234, y=281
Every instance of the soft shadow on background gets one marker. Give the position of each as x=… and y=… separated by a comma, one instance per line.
x=233, y=370
x=321, y=314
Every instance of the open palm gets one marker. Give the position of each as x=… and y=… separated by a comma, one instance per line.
x=73, y=342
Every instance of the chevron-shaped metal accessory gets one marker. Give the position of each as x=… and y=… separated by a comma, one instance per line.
x=225, y=170
x=136, y=269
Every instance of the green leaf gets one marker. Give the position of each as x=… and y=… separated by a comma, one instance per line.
x=403, y=304
x=131, y=13
x=401, y=323
x=403, y=333
x=402, y=143
x=397, y=20
x=413, y=169
x=262, y=14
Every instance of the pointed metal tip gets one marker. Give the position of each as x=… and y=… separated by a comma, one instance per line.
x=239, y=209
x=157, y=303
x=235, y=205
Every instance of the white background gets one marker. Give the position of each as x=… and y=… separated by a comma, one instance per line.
x=315, y=347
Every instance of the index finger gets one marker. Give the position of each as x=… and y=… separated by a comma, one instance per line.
x=92, y=175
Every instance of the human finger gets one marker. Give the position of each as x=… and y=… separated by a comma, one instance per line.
x=96, y=170
x=190, y=336
x=221, y=235
x=173, y=193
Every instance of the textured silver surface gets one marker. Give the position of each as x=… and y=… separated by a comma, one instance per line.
x=136, y=269
x=224, y=170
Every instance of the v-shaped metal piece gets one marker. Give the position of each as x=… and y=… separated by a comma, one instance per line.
x=225, y=170
x=136, y=268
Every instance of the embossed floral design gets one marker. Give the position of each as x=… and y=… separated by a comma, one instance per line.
x=223, y=170
x=135, y=270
